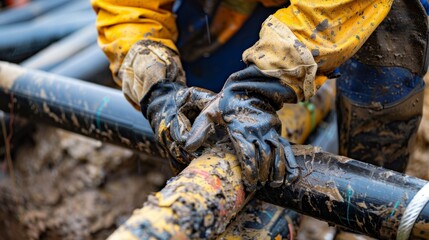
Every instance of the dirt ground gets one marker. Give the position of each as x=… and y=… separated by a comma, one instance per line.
x=67, y=186
x=71, y=187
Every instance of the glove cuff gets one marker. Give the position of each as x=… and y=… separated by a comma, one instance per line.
x=146, y=64
x=252, y=82
x=158, y=90
x=278, y=53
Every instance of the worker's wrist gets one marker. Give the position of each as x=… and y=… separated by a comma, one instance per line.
x=146, y=64
x=279, y=54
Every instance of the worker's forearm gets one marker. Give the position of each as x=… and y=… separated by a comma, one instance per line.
x=333, y=30
x=304, y=42
x=120, y=24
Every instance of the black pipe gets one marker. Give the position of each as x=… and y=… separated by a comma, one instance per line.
x=349, y=193
x=86, y=65
x=72, y=6
x=62, y=50
x=20, y=41
x=85, y=108
x=358, y=196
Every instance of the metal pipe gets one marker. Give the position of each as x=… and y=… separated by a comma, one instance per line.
x=60, y=51
x=342, y=191
x=86, y=64
x=73, y=6
x=20, y=41
x=29, y=11
x=85, y=108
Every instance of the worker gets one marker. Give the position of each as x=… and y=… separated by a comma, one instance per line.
x=300, y=46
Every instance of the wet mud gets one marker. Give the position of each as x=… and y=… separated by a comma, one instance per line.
x=71, y=187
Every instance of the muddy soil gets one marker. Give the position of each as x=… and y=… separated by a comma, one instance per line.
x=70, y=187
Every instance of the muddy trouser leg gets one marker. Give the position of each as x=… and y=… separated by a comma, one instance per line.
x=379, y=110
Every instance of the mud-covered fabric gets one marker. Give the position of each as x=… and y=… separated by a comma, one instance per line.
x=146, y=64
x=279, y=54
x=401, y=40
x=328, y=31
x=376, y=133
x=154, y=82
x=122, y=23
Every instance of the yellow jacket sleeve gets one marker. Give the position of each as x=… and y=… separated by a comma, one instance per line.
x=121, y=23
x=328, y=31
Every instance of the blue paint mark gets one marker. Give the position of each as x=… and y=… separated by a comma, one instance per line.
x=394, y=208
x=99, y=109
x=349, y=195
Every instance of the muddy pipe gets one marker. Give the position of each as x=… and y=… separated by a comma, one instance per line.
x=206, y=195
x=81, y=107
x=342, y=191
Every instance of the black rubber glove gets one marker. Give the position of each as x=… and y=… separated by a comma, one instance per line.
x=170, y=107
x=154, y=81
x=247, y=106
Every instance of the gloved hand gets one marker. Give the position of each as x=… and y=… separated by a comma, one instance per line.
x=247, y=106
x=154, y=81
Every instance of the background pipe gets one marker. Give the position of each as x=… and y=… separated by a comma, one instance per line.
x=85, y=108
x=90, y=64
x=72, y=6
x=62, y=50
x=20, y=41
x=29, y=11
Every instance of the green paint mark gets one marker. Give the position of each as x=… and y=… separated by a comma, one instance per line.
x=395, y=208
x=312, y=109
x=349, y=195
x=99, y=109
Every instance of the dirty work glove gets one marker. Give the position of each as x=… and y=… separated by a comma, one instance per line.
x=247, y=107
x=154, y=81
